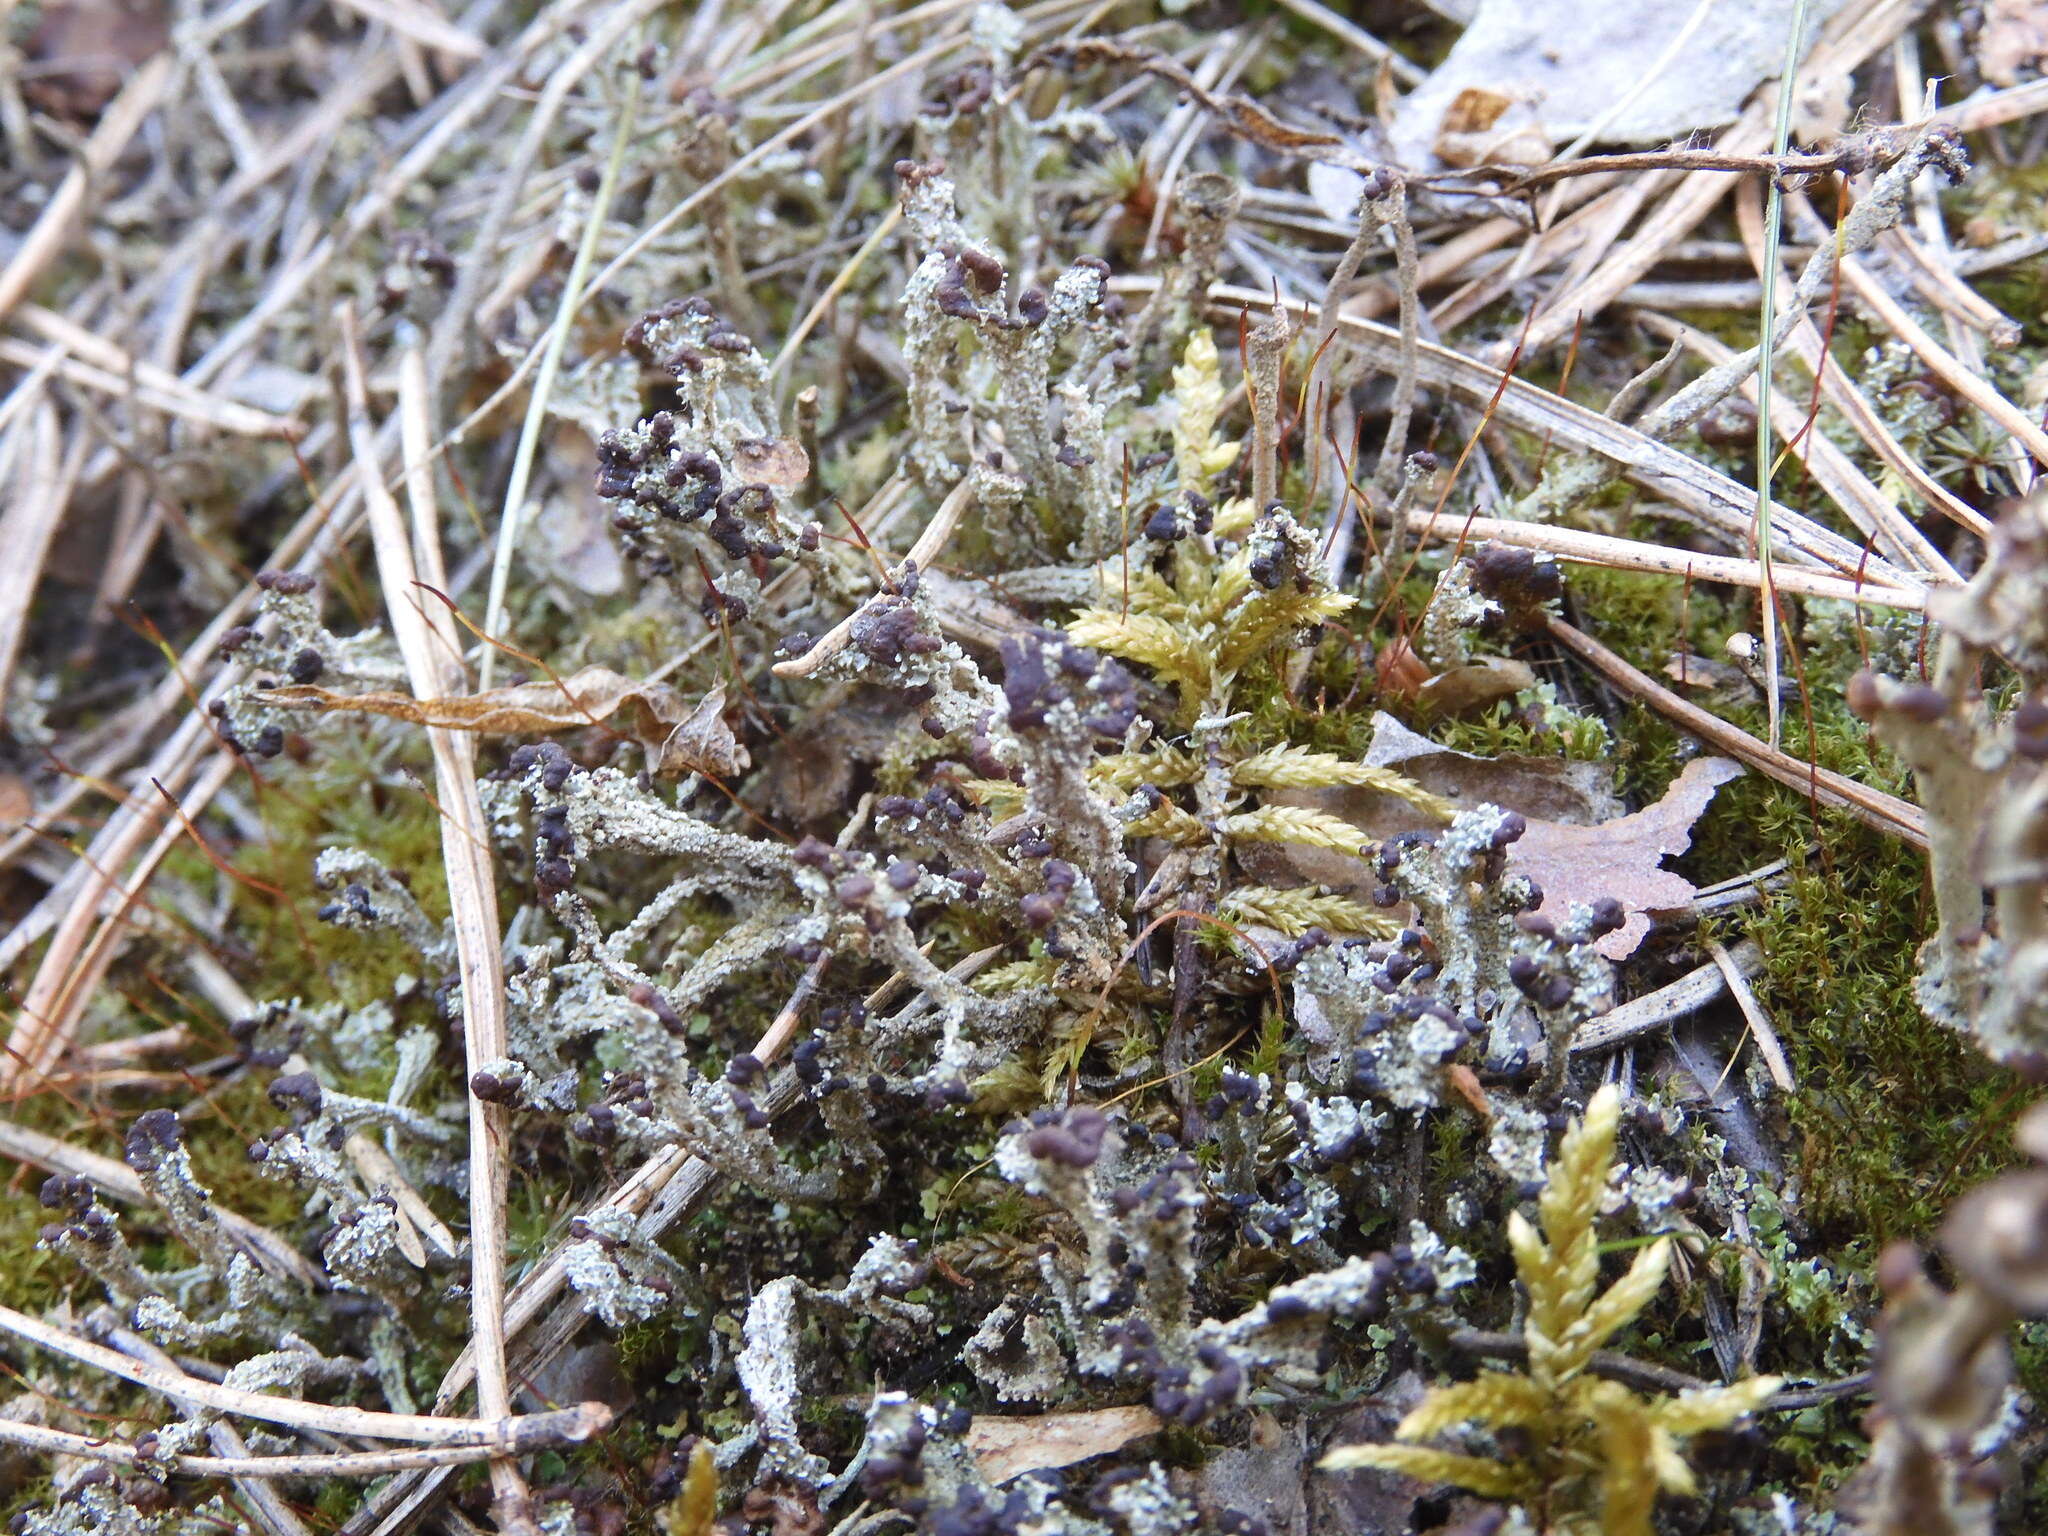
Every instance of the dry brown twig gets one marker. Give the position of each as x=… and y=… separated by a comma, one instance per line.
x=345, y=1464
x=1851, y=35
x=83, y=943
x=1635, y=555
x=1664, y=471
x=1805, y=341
x=1853, y=153
x=86, y=912
x=1861, y=501
x=1887, y=813
x=41, y=489
x=116, y=1178
x=318, y=530
x=929, y=545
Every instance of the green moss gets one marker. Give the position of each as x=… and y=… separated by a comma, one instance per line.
x=1896, y=1116
x=38, y=1278
x=363, y=787
x=1644, y=616
x=218, y=1131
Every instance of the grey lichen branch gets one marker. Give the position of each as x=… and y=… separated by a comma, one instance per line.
x=1980, y=777
x=773, y=1366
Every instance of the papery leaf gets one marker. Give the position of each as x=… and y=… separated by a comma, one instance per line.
x=687, y=738
x=1567, y=848
x=1622, y=858
x=777, y=461
x=1008, y=1446
x=703, y=743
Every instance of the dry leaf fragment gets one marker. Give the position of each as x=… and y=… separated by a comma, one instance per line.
x=589, y=697
x=1579, y=844
x=1465, y=1083
x=82, y=50
x=1008, y=1446
x=1561, y=68
x=1705, y=672
x=1623, y=858
x=1474, y=110
x=776, y=461
x=652, y=713
x=1472, y=131
x=785, y=1508
x=1400, y=672
x=2014, y=40
x=1476, y=686
x=807, y=771
x=704, y=743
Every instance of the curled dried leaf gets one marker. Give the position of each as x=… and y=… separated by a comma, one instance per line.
x=1623, y=858
x=703, y=743
x=775, y=461
x=688, y=739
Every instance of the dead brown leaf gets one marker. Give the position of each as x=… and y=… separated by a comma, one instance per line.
x=83, y=49
x=1579, y=844
x=2014, y=39
x=689, y=739
x=704, y=743
x=786, y=1509
x=1574, y=792
x=1010, y=1446
x=592, y=696
x=1472, y=132
x=1465, y=1082
x=807, y=772
x=1706, y=674
x=1401, y=673
x=1623, y=858
x=1474, y=110
x=1477, y=686
x=776, y=461
x=1525, y=74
